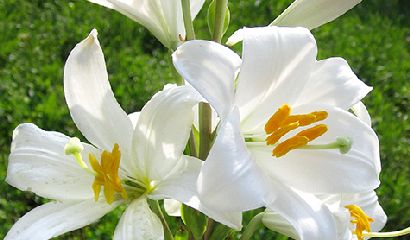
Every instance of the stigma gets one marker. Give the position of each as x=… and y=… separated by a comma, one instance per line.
x=282, y=122
x=106, y=175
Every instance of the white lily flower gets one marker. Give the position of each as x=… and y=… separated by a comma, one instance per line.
x=279, y=73
x=313, y=13
x=131, y=158
x=353, y=213
x=163, y=18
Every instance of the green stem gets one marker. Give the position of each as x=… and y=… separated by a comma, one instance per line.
x=252, y=226
x=205, y=130
x=189, y=28
x=156, y=208
x=220, y=10
x=192, y=144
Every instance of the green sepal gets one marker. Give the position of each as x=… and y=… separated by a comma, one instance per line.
x=211, y=18
x=194, y=220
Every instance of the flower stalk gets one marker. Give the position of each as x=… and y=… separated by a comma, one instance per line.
x=189, y=28
x=220, y=10
x=156, y=208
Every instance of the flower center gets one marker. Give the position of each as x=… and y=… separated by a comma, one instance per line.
x=360, y=219
x=282, y=122
x=107, y=174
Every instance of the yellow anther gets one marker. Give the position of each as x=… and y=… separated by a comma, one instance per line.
x=360, y=219
x=313, y=132
x=303, y=119
x=276, y=135
x=320, y=115
x=107, y=175
x=291, y=143
x=277, y=119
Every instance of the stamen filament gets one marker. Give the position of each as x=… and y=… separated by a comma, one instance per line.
x=344, y=144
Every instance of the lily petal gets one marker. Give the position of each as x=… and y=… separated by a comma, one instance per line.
x=182, y=187
x=55, y=218
x=90, y=99
x=229, y=179
x=172, y=207
x=37, y=163
x=134, y=118
x=313, y=13
x=211, y=69
x=328, y=171
x=276, y=66
x=139, y=222
x=162, y=17
x=306, y=216
x=333, y=82
x=163, y=130
x=360, y=110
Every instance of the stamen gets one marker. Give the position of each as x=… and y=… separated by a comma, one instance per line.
x=291, y=143
x=320, y=115
x=314, y=132
x=107, y=175
x=276, y=135
x=360, y=219
x=277, y=119
x=303, y=119
x=387, y=234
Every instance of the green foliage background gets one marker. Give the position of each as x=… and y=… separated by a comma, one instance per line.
x=36, y=37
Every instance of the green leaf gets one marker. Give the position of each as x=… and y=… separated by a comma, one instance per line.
x=211, y=18
x=194, y=220
x=220, y=232
x=181, y=235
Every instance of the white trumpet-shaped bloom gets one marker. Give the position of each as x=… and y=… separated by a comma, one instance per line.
x=287, y=113
x=352, y=212
x=163, y=18
x=130, y=158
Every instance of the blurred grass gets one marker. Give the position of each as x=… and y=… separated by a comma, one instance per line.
x=37, y=36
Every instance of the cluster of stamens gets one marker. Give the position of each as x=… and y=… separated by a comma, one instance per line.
x=282, y=122
x=360, y=219
x=107, y=175
x=106, y=172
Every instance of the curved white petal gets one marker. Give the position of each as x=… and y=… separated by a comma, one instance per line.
x=328, y=171
x=139, y=222
x=277, y=223
x=360, y=110
x=172, y=207
x=277, y=63
x=163, y=130
x=313, y=13
x=210, y=68
x=37, y=163
x=182, y=187
x=333, y=82
x=307, y=217
x=90, y=99
x=55, y=218
x=163, y=18
x=229, y=178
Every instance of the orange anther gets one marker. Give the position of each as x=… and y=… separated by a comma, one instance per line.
x=320, y=115
x=276, y=135
x=313, y=132
x=291, y=143
x=303, y=119
x=277, y=119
